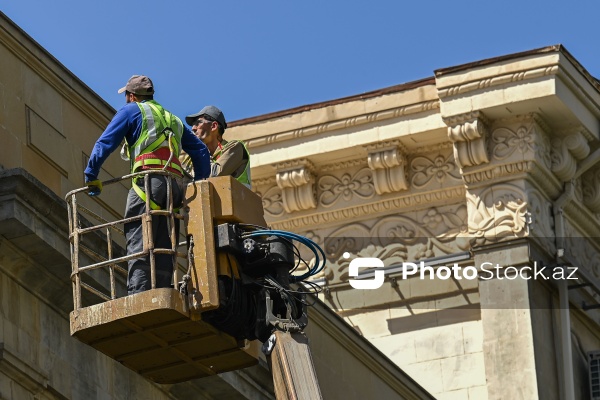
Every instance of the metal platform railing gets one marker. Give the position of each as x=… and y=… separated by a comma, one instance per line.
x=85, y=238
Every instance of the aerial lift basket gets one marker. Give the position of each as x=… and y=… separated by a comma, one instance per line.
x=160, y=333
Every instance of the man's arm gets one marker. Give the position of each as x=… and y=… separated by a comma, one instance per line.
x=108, y=142
x=232, y=158
x=198, y=153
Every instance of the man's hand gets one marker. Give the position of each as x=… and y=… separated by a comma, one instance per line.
x=94, y=187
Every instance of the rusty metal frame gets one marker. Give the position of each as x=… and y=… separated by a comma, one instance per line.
x=76, y=233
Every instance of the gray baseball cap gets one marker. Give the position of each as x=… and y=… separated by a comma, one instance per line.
x=212, y=112
x=139, y=84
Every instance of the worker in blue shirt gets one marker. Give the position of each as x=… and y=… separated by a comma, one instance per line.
x=154, y=139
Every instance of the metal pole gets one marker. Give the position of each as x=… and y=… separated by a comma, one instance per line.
x=113, y=292
x=75, y=262
x=565, y=338
x=149, y=232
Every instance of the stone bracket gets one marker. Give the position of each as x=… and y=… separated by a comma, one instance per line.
x=388, y=166
x=566, y=152
x=296, y=180
x=468, y=134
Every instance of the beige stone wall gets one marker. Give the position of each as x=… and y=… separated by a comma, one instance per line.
x=50, y=121
x=40, y=360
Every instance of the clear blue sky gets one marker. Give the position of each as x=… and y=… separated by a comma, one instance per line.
x=255, y=57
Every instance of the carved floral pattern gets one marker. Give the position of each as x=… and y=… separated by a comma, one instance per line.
x=506, y=142
x=439, y=169
x=591, y=190
x=541, y=215
x=497, y=213
x=395, y=239
x=272, y=201
x=332, y=188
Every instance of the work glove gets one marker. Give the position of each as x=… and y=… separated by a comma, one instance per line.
x=94, y=187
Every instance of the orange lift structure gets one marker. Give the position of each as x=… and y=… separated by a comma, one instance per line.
x=231, y=296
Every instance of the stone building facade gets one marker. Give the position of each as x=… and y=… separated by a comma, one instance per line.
x=484, y=165
x=49, y=121
x=491, y=165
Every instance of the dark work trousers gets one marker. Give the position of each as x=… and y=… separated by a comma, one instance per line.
x=139, y=276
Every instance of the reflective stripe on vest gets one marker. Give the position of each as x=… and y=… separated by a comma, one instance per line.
x=160, y=129
x=245, y=175
x=155, y=123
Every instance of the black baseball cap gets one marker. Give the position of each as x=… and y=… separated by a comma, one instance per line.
x=212, y=112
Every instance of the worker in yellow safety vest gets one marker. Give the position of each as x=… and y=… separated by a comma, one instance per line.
x=227, y=157
x=154, y=139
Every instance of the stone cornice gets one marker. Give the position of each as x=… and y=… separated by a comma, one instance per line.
x=293, y=164
x=343, y=123
x=401, y=203
x=497, y=81
x=460, y=119
x=270, y=180
x=343, y=165
x=523, y=118
x=431, y=148
x=529, y=169
x=386, y=145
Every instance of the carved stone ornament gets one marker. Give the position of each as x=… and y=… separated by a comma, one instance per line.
x=297, y=184
x=506, y=142
x=525, y=143
x=565, y=154
x=497, y=213
x=591, y=190
x=396, y=239
x=439, y=169
x=468, y=134
x=389, y=170
x=333, y=189
x=272, y=201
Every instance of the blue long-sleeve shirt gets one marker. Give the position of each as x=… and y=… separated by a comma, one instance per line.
x=127, y=124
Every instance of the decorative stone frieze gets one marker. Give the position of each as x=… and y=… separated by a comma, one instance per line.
x=419, y=200
x=583, y=251
x=566, y=152
x=541, y=217
x=297, y=183
x=497, y=213
x=272, y=201
x=388, y=165
x=522, y=138
x=468, y=133
x=396, y=238
x=591, y=190
x=333, y=189
x=434, y=168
